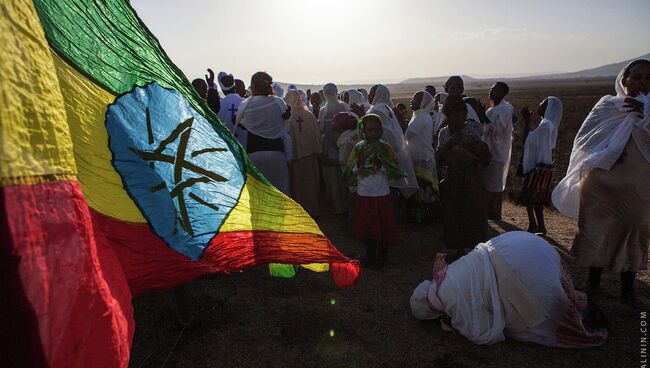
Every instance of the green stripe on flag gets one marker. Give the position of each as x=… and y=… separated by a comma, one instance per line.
x=107, y=42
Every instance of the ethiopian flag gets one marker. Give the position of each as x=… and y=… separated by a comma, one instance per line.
x=117, y=179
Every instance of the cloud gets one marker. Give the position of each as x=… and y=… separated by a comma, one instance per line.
x=509, y=33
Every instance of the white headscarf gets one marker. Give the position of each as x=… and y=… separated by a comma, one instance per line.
x=382, y=96
x=540, y=143
x=393, y=135
x=295, y=101
x=331, y=92
x=224, y=87
x=600, y=142
x=278, y=90
x=355, y=97
x=304, y=98
x=420, y=306
x=364, y=92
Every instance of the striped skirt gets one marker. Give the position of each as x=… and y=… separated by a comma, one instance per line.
x=537, y=186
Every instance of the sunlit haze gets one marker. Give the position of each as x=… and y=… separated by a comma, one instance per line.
x=364, y=40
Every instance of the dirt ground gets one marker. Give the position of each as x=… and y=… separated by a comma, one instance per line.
x=249, y=319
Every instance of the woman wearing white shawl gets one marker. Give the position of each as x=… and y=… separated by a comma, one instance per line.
x=515, y=284
x=606, y=185
x=304, y=168
x=537, y=161
x=419, y=140
x=355, y=101
x=266, y=132
x=383, y=106
x=336, y=189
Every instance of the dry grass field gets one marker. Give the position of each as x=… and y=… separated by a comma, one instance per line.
x=251, y=320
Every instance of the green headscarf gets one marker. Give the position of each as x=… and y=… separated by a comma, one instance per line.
x=379, y=149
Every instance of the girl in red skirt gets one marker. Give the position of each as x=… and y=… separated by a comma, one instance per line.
x=370, y=165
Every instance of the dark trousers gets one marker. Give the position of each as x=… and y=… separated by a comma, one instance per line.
x=495, y=201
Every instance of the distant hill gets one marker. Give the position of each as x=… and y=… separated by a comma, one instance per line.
x=436, y=80
x=604, y=71
x=609, y=70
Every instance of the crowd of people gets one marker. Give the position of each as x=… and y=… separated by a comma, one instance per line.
x=450, y=161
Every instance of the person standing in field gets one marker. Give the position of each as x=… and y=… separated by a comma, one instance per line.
x=267, y=142
x=355, y=101
x=606, y=185
x=230, y=102
x=537, y=161
x=304, y=169
x=454, y=86
x=346, y=124
x=497, y=134
x=364, y=92
x=315, y=101
x=240, y=87
x=335, y=188
x=419, y=140
x=462, y=191
x=371, y=164
x=392, y=134
x=208, y=91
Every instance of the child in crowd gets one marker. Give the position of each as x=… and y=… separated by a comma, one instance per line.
x=346, y=124
x=462, y=191
x=370, y=165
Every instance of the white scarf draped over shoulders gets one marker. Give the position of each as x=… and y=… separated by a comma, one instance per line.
x=419, y=137
x=600, y=142
x=262, y=116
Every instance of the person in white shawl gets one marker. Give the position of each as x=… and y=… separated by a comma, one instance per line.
x=537, y=161
x=392, y=134
x=606, y=185
x=278, y=90
x=355, y=101
x=336, y=189
x=497, y=134
x=513, y=285
x=419, y=140
x=262, y=118
x=366, y=104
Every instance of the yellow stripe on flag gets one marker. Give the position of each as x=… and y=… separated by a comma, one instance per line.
x=262, y=207
x=35, y=145
x=86, y=104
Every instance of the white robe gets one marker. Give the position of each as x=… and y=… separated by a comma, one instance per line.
x=325, y=118
x=229, y=106
x=483, y=310
x=498, y=136
x=419, y=140
x=539, y=145
x=600, y=142
x=394, y=136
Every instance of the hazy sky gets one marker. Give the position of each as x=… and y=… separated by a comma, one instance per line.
x=305, y=41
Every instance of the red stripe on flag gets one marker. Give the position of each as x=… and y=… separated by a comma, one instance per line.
x=150, y=264
x=80, y=300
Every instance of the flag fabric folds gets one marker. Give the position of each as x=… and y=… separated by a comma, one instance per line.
x=117, y=179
